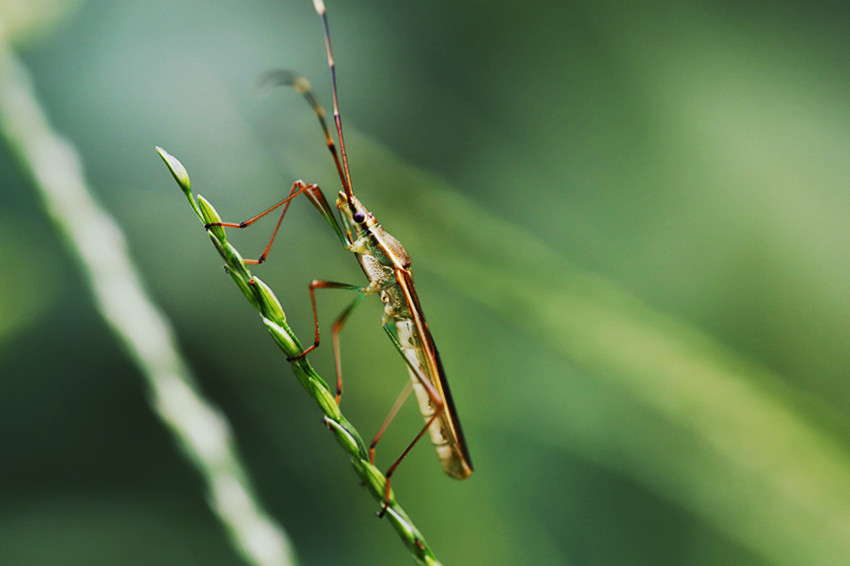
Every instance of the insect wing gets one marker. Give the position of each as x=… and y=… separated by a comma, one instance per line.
x=419, y=348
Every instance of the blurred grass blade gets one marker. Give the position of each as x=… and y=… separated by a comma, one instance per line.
x=779, y=485
x=98, y=245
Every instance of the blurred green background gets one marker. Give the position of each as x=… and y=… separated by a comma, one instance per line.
x=629, y=227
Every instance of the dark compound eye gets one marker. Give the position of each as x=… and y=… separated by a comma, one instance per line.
x=358, y=217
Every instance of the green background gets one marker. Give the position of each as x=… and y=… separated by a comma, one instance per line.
x=638, y=281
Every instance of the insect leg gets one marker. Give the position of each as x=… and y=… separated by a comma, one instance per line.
x=337, y=325
x=298, y=187
x=439, y=406
x=390, y=416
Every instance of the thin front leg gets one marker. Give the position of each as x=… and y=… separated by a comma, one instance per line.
x=298, y=187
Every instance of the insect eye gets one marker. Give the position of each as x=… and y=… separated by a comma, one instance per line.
x=358, y=217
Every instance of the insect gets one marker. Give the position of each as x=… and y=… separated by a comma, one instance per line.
x=387, y=267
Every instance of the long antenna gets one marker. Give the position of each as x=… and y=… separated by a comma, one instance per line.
x=346, y=181
x=279, y=77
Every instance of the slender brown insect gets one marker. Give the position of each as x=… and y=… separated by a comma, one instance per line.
x=387, y=267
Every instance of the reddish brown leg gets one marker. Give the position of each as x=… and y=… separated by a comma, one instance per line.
x=335, y=330
x=298, y=187
x=438, y=410
x=337, y=325
x=439, y=406
x=396, y=406
x=319, y=284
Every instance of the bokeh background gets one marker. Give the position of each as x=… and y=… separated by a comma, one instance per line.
x=629, y=227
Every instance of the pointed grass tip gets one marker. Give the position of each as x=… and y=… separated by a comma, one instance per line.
x=177, y=170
